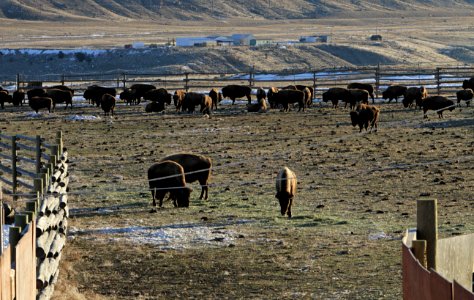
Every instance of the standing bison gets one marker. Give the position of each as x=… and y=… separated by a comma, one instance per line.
x=60, y=96
x=363, y=86
x=37, y=103
x=393, y=92
x=468, y=83
x=414, y=94
x=438, y=104
x=465, y=95
x=140, y=90
x=107, y=104
x=196, y=168
x=168, y=177
x=287, y=97
x=285, y=190
x=237, y=91
x=94, y=93
x=216, y=97
x=365, y=115
x=5, y=97
x=178, y=99
x=191, y=100
x=335, y=94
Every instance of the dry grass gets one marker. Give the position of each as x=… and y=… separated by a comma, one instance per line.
x=356, y=196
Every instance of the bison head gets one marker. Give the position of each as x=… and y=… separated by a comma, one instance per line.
x=354, y=118
x=182, y=196
x=285, y=201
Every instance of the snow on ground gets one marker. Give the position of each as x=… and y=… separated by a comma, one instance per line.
x=82, y=118
x=173, y=236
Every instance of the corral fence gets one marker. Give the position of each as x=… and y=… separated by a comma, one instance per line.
x=438, y=80
x=31, y=245
x=436, y=268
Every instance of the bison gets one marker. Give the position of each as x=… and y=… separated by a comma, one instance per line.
x=286, y=190
x=438, y=104
x=159, y=95
x=260, y=107
x=465, y=95
x=107, y=104
x=128, y=96
x=357, y=95
x=287, y=97
x=60, y=96
x=234, y=91
x=393, y=92
x=191, y=100
x=38, y=92
x=414, y=94
x=271, y=92
x=335, y=94
x=365, y=115
x=468, y=83
x=155, y=106
x=178, y=99
x=37, y=103
x=168, y=177
x=94, y=93
x=363, y=86
x=196, y=168
x=216, y=97
x=206, y=105
x=18, y=97
x=140, y=90
x=261, y=94
x=5, y=97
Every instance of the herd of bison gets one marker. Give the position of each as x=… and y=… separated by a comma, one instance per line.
x=170, y=175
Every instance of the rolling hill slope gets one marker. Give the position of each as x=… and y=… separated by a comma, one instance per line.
x=54, y=10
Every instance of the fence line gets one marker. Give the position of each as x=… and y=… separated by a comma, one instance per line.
x=29, y=265
x=438, y=80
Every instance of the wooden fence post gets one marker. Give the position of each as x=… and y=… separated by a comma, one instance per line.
x=314, y=85
x=17, y=81
x=124, y=80
x=427, y=228
x=250, y=77
x=14, y=170
x=186, y=81
x=62, y=79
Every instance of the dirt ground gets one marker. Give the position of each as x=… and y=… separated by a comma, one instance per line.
x=356, y=196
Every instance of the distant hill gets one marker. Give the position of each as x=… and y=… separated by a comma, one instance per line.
x=68, y=10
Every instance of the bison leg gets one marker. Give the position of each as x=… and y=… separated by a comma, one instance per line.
x=289, y=207
x=204, y=190
x=233, y=100
x=249, y=98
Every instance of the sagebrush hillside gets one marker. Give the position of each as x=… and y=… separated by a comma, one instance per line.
x=54, y=10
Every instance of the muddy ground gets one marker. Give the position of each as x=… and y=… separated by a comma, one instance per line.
x=356, y=196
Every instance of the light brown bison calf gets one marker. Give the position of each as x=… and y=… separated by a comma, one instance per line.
x=168, y=177
x=216, y=97
x=178, y=99
x=260, y=107
x=365, y=115
x=206, y=105
x=285, y=190
x=196, y=168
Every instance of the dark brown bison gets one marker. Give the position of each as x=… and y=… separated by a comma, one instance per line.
x=18, y=97
x=178, y=99
x=38, y=92
x=94, y=93
x=357, y=96
x=5, y=98
x=335, y=94
x=438, y=104
x=261, y=94
x=271, y=92
x=287, y=97
x=206, y=105
x=237, y=91
x=363, y=86
x=191, y=100
x=365, y=115
x=286, y=190
x=37, y=103
x=108, y=104
x=216, y=97
x=414, y=94
x=158, y=95
x=196, y=168
x=59, y=96
x=468, y=83
x=155, y=106
x=61, y=87
x=128, y=96
x=393, y=92
x=140, y=90
x=465, y=95
x=168, y=177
